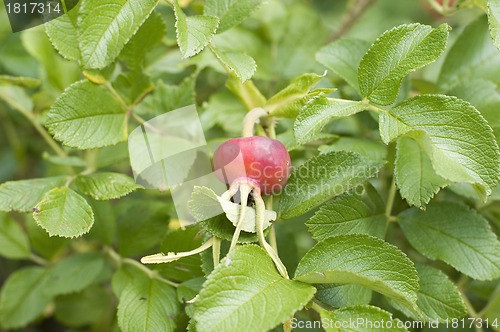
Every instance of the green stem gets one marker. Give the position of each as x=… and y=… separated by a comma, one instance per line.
x=216, y=251
x=152, y=274
x=117, y=96
x=390, y=199
x=251, y=118
x=317, y=307
x=272, y=238
x=259, y=225
x=39, y=260
x=119, y=260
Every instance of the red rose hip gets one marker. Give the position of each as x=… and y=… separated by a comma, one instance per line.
x=258, y=159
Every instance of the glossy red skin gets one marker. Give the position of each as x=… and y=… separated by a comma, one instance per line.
x=263, y=160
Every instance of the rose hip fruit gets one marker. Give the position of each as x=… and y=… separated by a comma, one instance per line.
x=261, y=160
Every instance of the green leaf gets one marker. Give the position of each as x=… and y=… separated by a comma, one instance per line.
x=472, y=56
x=416, y=179
x=189, y=289
x=343, y=58
x=360, y=318
x=16, y=98
x=456, y=235
x=323, y=177
x=494, y=21
x=193, y=32
x=73, y=161
x=147, y=37
x=350, y=213
x=63, y=33
x=62, y=212
x=141, y=225
x=105, y=28
x=438, y=298
x=462, y=145
x=14, y=243
x=56, y=72
x=133, y=86
x=363, y=260
x=483, y=95
x=48, y=247
x=84, y=308
x=230, y=12
x=241, y=64
x=74, y=273
x=318, y=112
x=148, y=305
x=221, y=227
x=394, y=55
x=87, y=116
x=105, y=185
x=23, y=195
x=182, y=240
x=225, y=110
x=493, y=307
x=247, y=281
x=338, y=296
x=25, y=82
x=104, y=229
x=279, y=104
x=373, y=150
x=22, y=298
x=166, y=98
x=129, y=272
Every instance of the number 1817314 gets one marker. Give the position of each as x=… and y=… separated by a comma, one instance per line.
x=33, y=8
x=471, y=322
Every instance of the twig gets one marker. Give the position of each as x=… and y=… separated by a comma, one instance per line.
x=351, y=16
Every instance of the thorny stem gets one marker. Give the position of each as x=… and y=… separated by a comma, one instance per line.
x=245, y=190
x=251, y=118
